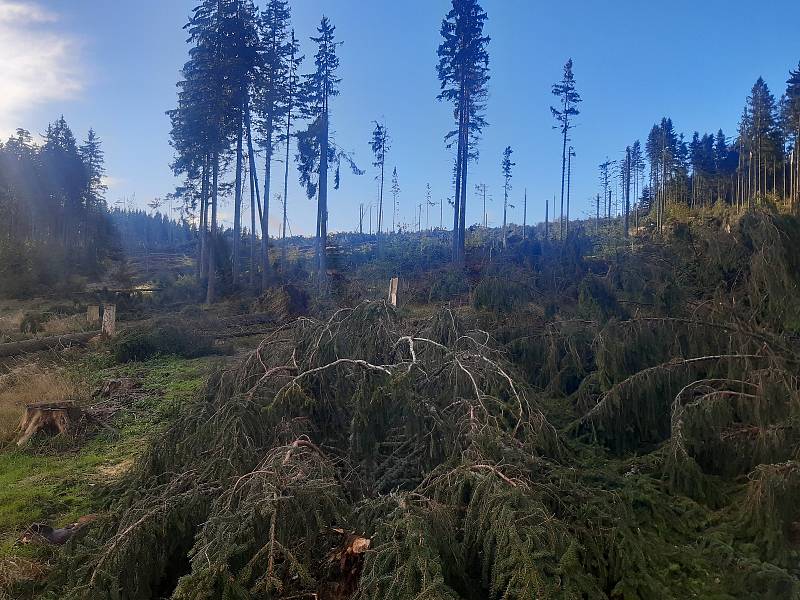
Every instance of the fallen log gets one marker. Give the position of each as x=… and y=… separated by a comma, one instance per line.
x=48, y=343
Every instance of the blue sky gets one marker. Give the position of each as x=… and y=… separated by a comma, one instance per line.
x=113, y=66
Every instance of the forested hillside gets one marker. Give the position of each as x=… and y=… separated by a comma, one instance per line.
x=54, y=226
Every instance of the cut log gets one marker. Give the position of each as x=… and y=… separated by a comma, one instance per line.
x=53, y=418
x=48, y=343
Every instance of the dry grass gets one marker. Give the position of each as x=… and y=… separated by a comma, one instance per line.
x=10, y=323
x=15, y=569
x=28, y=384
x=65, y=325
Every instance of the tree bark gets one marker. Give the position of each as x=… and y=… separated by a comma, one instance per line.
x=464, y=166
x=237, y=210
x=265, y=265
x=322, y=216
x=286, y=177
x=563, y=173
x=253, y=189
x=48, y=343
x=201, y=267
x=458, y=172
x=211, y=291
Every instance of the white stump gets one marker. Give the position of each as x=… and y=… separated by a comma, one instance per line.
x=110, y=320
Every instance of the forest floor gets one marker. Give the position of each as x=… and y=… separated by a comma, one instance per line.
x=632, y=406
x=56, y=481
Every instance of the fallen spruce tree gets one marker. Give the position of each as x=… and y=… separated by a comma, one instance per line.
x=374, y=457
x=637, y=438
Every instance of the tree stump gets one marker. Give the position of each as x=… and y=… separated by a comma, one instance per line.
x=110, y=320
x=393, y=285
x=93, y=315
x=51, y=417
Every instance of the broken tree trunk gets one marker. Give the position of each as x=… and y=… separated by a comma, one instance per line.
x=53, y=418
x=393, y=285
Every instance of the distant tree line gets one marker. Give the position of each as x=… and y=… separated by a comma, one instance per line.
x=759, y=164
x=54, y=225
x=139, y=231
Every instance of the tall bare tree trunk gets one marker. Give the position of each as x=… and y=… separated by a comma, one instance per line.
x=265, y=265
x=253, y=175
x=525, y=215
x=458, y=171
x=628, y=192
x=286, y=184
x=464, y=166
x=202, y=234
x=547, y=218
x=322, y=216
x=569, y=185
x=211, y=292
x=252, y=274
x=237, y=205
x=563, y=174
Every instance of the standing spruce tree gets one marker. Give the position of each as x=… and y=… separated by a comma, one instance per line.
x=241, y=62
x=464, y=75
x=626, y=174
x=314, y=148
x=570, y=156
x=792, y=125
x=762, y=137
x=293, y=100
x=316, y=151
x=380, y=148
x=605, y=179
x=637, y=166
x=275, y=97
x=209, y=114
x=91, y=153
x=429, y=202
x=568, y=108
x=190, y=137
x=507, y=167
x=395, y=199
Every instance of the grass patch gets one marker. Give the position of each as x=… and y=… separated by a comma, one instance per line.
x=28, y=384
x=45, y=483
x=143, y=343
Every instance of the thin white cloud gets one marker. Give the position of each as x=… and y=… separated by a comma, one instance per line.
x=21, y=11
x=38, y=63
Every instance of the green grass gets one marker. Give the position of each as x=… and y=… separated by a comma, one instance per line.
x=56, y=483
